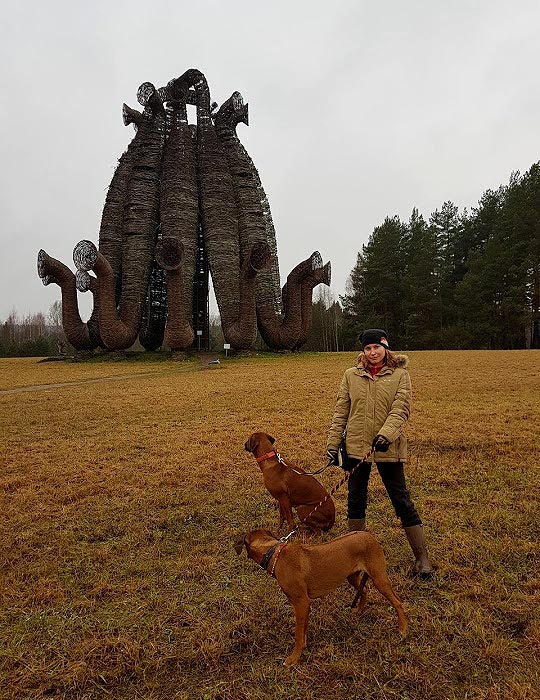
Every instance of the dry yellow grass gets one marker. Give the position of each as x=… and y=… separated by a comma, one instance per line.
x=121, y=500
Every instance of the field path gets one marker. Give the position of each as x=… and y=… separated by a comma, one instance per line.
x=96, y=380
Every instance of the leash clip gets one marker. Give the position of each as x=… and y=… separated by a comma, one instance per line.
x=282, y=461
x=285, y=538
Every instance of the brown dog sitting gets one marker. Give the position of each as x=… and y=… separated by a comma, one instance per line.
x=305, y=572
x=291, y=487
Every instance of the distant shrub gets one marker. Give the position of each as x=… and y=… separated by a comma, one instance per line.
x=39, y=347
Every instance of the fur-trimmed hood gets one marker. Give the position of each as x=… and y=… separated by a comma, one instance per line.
x=400, y=360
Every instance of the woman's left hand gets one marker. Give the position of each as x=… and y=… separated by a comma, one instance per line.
x=380, y=443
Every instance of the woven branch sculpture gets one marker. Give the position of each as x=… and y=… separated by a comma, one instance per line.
x=182, y=193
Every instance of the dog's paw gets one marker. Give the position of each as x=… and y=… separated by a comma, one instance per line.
x=291, y=660
x=360, y=607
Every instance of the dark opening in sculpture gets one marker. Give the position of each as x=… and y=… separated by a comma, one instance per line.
x=185, y=200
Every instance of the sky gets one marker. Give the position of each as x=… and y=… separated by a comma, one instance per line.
x=357, y=110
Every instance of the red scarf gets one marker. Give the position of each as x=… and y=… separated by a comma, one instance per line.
x=375, y=369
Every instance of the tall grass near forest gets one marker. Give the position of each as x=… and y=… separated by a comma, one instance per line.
x=121, y=500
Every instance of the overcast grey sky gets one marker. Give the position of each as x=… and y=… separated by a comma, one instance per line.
x=358, y=110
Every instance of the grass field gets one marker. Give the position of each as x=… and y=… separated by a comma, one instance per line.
x=123, y=491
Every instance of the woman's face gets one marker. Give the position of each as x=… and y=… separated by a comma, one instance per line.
x=375, y=353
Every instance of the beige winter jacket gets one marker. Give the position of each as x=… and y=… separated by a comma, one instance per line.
x=367, y=406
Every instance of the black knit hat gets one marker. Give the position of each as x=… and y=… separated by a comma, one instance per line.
x=374, y=336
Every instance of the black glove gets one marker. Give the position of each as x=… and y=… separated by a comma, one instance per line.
x=332, y=457
x=380, y=443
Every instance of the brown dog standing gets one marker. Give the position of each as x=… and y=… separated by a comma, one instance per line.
x=291, y=487
x=305, y=572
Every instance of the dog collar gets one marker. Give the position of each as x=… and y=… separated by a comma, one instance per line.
x=270, y=553
x=267, y=556
x=266, y=456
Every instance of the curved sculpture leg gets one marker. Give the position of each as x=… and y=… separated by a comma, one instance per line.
x=219, y=217
x=179, y=212
x=254, y=217
x=254, y=224
x=52, y=270
x=242, y=333
x=119, y=327
x=141, y=213
x=283, y=333
x=110, y=231
x=321, y=275
x=112, y=218
x=179, y=333
x=117, y=333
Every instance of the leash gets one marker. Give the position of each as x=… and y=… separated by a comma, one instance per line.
x=318, y=471
x=280, y=459
x=344, y=480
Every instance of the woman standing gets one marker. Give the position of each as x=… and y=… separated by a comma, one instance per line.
x=372, y=409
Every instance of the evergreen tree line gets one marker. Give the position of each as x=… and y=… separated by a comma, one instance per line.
x=325, y=334
x=469, y=280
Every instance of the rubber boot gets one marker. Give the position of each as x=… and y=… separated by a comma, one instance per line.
x=356, y=524
x=422, y=567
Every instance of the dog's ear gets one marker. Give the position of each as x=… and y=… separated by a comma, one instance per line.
x=239, y=545
x=253, y=442
x=272, y=440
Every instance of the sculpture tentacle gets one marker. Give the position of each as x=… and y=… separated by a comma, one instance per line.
x=77, y=332
x=218, y=209
x=254, y=217
x=112, y=219
x=178, y=330
x=321, y=275
x=141, y=221
x=255, y=223
x=115, y=333
x=242, y=333
x=282, y=333
x=119, y=327
x=179, y=221
x=232, y=272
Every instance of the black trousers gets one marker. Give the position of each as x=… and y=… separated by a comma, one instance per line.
x=393, y=478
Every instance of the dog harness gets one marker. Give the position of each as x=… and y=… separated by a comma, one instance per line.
x=270, y=553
